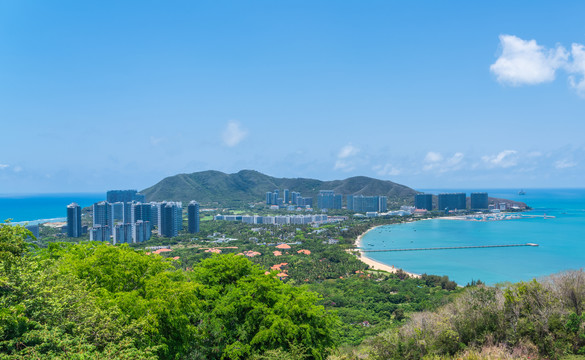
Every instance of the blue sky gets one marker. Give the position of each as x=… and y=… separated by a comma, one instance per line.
x=102, y=95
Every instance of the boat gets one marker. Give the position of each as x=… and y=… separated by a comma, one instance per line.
x=521, y=192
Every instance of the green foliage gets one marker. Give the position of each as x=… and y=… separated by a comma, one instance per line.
x=372, y=302
x=250, y=313
x=96, y=301
x=12, y=245
x=523, y=320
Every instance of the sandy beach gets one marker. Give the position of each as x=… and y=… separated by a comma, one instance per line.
x=376, y=265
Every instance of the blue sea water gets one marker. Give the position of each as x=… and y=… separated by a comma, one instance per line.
x=561, y=241
x=40, y=208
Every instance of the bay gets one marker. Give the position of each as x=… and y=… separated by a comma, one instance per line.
x=561, y=241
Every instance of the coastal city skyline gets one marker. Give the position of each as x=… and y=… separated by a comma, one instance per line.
x=441, y=95
x=292, y=180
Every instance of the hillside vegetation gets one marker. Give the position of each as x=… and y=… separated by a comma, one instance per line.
x=98, y=301
x=251, y=186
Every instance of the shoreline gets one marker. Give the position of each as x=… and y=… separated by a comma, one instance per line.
x=376, y=265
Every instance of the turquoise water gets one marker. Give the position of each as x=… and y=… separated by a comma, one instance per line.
x=561, y=241
x=39, y=208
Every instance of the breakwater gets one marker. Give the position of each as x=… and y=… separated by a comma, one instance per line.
x=449, y=247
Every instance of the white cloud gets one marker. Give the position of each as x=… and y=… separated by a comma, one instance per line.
x=3, y=166
x=17, y=169
x=526, y=62
x=347, y=151
x=504, y=159
x=433, y=157
x=233, y=134
x=564, y=164
x=577, y=67
x=434, y=160
x=345, y=158
x=386, y=170
x=455, y=159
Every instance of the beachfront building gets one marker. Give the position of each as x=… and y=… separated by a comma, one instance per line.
x=452, y=201
x=479, y=201
x=360, y=203
x=327, y=199
x=423, y=201
x=73, y=220
x=193, y=216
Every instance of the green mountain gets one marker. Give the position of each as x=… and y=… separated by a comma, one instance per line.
x=251, y=186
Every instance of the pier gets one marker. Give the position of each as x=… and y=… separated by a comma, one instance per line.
x=452, y=247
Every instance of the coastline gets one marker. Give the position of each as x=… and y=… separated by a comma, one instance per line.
x=376, y=265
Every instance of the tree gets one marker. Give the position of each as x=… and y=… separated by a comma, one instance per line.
x=249, y=312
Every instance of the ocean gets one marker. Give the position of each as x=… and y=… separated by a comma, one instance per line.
x=561, y=241
x=42, y=208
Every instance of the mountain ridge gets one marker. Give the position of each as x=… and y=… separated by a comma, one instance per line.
x=245, y=186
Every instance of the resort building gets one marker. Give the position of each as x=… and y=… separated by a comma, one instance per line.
x=327, y=199
x=423, y=201
x=479, y=201
x=360, y=203
x=452, y=201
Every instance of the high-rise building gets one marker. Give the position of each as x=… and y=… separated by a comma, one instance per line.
x=155, y=211
x=126, y=196
x=423, y=201
x=382, y=204
x=117, y=211
x=141, y=231
x=193, y=217
x=122, y=233
x=294, y=196
x=453, y=201
x=285, y=196
x=102, y=214
x=269, y=198
x=100, y=233
x=304, y=201
x=479, y=201
x=349, y=199
x=139, y=211
x=360, y=203
x=327, y=199
x=171, y=219
x=73, y=220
